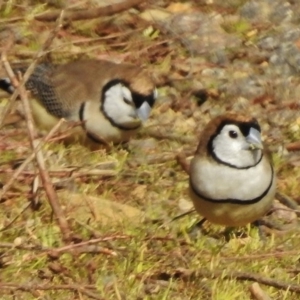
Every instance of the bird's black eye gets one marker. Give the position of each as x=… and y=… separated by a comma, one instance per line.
x=233, y=134
x=127, y=101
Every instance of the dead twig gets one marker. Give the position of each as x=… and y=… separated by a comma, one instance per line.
x=182, y=215
x=66, y=132
x=11, y=20
x=90, y=242
x=288, y=201
x=257, y=292
x=186, y=274
x=46, y=180
x=182, y=161
x=94, y=249
x=262, y=256
x=22, y=247
x=50, y=191
x=273, y=228
x=70, y=172
x=295, y=146
x=15, y=218
x=87, y=14
x=84, y=289
x=82, y=247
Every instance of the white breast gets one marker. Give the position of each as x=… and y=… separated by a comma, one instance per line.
x=218, y=181
x=97, y=124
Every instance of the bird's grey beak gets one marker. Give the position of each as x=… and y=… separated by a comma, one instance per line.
x=144, y=111
x=254, y=139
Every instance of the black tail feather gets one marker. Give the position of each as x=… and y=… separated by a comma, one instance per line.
x=6, y=85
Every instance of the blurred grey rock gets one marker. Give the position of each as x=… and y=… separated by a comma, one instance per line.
x=290, y=34
x=253, y=10
x=268, y=43
x=275, y=11
x=203, y=34
x=281, y=12
x=218, y=57
x=292, y=57
x=248, y=87
x=214, y=72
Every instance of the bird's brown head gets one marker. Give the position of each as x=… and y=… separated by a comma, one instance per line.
x=229, y=136
x=142, y=88
x=129, y=95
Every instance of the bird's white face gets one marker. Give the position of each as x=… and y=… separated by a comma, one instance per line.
x=233, y=148
x=119, y=107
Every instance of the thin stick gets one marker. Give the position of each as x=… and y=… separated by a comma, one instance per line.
x=15, y=218
x=49, y=189
x=90, y=242
x=201, y=273
x=288, y=201
x=46, y=180
x=69, y=172
x=295, y=146
x=182, y=161
x=87, y=14
x=23, y=247
x=183, y=215
x=45, y=287
x=279, y=254
x=91, y=249
x=257, y=292
x=67, y=248
x=84, y=289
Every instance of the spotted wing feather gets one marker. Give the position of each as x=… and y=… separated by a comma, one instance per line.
x=40, y=85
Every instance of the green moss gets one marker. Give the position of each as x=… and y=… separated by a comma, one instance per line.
x=240, y=26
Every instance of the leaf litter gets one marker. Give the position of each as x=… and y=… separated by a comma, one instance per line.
x=207, y=57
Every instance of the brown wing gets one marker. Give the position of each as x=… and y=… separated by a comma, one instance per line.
x=87, y=77
x=63, y=88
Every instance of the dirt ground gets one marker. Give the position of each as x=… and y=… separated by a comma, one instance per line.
x=77, y=223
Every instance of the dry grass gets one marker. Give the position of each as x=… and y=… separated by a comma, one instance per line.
x=142, y=255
